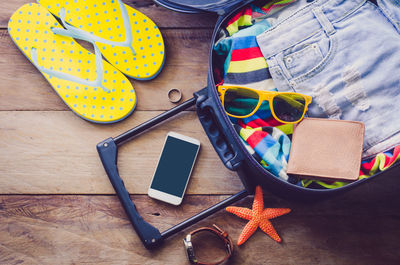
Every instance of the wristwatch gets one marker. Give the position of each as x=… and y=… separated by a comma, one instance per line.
x=217, y=231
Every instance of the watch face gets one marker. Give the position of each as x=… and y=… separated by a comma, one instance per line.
x=189, y=249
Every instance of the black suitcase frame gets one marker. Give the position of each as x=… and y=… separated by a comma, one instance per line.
x=222, y=136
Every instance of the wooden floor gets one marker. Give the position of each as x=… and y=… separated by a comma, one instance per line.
x=58, y=207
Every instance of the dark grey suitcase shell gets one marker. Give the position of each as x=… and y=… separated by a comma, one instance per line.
x=223, y=137
x=222, y=134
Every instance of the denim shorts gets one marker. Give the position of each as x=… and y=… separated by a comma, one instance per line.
x=346, y=55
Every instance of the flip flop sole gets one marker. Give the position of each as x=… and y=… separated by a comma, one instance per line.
x=30, y=27
x=104, y=19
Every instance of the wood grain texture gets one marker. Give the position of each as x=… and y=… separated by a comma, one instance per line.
x=55, y=152
x=55, y=202
x=24, y=88
x=163, y=17
x=94, y=230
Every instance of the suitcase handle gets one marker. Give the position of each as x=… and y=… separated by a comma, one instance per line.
x=148, y=234
x=221, y=138
x=108, y=152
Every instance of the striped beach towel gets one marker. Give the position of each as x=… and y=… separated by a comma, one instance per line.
x=244, y=63
x=269, y=146
x=267, y=140
x=248, y=15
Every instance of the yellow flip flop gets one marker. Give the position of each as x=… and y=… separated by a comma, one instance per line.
x=91, y=87
x=128, y=39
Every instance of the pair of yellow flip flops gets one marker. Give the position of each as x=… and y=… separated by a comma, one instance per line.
x=93, y=88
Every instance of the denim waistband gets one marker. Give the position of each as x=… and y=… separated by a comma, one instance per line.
x=316, y=16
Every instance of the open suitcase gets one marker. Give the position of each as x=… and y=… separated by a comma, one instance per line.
x=222, y=135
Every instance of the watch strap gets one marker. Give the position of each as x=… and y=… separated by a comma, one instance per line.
x=223, y=236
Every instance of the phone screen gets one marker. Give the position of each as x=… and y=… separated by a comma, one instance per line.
x=175, y=165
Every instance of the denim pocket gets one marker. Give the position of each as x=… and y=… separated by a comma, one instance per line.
x=309, y=57
x=347, y=61
x=300, y=62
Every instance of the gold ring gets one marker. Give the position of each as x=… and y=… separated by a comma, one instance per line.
x=174, y=95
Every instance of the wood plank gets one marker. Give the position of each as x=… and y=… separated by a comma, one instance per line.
x=163, y=17
x=55, y=152
x=94, y=230
x=185, y=68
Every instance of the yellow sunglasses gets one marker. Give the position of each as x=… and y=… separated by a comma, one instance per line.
x=242, y=102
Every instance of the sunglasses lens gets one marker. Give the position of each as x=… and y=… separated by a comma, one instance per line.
x=239, y=101
x=289, y=107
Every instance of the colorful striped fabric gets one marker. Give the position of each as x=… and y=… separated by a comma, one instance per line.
x=267, y=140
x=263, y=118
x=369, y=167
x=247, y=65
x=244, y=63
x=271, y=148
x=242, y=19
x=275, y=6
x=246, y=16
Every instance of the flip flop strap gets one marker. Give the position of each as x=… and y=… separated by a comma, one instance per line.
x=74, y=32
x=99, y=70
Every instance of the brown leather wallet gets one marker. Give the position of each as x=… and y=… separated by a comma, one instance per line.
x=326, y=149
x=217, y=231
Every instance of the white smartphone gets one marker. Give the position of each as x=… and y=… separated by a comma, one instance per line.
x=174, y=168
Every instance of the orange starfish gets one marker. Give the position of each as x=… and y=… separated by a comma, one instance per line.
x=258, y=217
